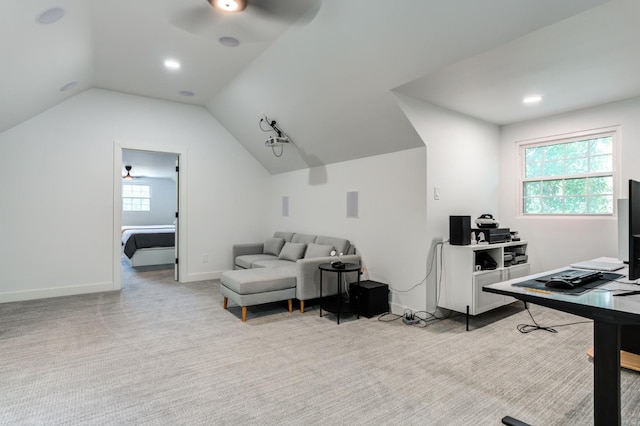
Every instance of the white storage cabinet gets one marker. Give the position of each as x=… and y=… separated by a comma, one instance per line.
x=461, y=285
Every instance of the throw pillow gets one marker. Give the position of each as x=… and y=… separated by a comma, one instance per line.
x=292, y=251
x=273, y=246
x=318, y=250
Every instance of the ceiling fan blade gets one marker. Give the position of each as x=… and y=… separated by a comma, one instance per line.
x=195, y=20
x=286, y=10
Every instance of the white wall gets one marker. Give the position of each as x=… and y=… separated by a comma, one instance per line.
x=462, y=161
x=390, y=231
x=58, y=231
x=558, y=241
x=163, y=203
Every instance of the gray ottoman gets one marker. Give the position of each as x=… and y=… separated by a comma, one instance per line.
x=248, y=287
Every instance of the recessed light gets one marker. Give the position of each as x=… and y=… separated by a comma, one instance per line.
x=69, y=86
x=229, y=41
x=50, y=16
x=172, y=64
x=186, y=93
x=532, y=99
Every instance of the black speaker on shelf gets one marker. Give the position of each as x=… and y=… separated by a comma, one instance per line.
x=374, y=297
x=460, y=230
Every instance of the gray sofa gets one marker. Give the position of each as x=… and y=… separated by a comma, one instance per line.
x=283, y=268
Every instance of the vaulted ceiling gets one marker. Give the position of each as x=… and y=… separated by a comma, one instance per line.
x=326, y=71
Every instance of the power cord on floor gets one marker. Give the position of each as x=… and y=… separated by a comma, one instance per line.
x=413, y=318
x=528, y=328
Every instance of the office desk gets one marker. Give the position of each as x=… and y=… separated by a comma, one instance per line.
x=609, y=314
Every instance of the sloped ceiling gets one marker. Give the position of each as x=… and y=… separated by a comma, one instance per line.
x=325, y=71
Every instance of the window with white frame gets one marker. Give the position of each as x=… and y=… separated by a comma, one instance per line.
x=136, y=198
x=568, y=177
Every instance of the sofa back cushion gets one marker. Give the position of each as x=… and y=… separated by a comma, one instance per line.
x=318, y=250
x=303, y=238
x=292, y=251
x=273, y=246
x=341, y=245
x=286, y=235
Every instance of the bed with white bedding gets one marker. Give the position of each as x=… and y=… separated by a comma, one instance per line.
x=149, y=245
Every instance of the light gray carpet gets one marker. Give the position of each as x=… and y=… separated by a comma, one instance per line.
x=165, y=353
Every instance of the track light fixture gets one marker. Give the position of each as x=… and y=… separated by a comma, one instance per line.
x=280, y=139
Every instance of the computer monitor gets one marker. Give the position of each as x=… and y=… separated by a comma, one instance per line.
x=634, y=230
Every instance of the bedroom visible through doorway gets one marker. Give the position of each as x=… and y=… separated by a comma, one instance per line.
x=149, y=225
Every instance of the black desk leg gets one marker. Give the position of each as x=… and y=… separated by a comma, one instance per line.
x=606, y=373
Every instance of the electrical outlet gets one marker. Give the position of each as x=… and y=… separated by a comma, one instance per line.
x=205, y=258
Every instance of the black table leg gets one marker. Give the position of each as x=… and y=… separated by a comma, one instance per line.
x=467, y=317
x=339, y=294
x=320, y=292
x=606, y=373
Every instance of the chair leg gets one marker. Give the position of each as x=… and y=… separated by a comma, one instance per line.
x=224, y=303
x=290, y=302
x=302, y=306
x=244, y=314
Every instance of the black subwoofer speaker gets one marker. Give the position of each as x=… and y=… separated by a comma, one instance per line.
x=460, y=230
x=374, y=297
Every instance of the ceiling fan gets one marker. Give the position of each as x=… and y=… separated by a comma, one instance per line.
x=210, y=15
x=128, y=175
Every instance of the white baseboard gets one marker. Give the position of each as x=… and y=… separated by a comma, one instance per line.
x=400, y=309
x=202, y=276
x=45, y=293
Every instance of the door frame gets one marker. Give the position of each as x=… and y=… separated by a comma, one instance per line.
x=181, y=188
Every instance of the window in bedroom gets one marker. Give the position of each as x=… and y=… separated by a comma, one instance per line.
x=568, y=177
x=136, y=198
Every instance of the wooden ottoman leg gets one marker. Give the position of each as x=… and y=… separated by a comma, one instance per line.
x=302, y=306
x=224, y=303
x=244, y=314
x=290, y=305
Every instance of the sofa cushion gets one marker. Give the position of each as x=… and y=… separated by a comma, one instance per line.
x=292, y=251
x=246, y=261
x=273, y=263
x=318, y=250
x=303, y=238
x=341, y=245
x=250, y=281
x=273, y=246
x=286, y=235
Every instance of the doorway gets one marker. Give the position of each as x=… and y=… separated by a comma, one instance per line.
x=147, y=182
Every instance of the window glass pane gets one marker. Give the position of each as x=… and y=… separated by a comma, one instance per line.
x=554, y=168
x=577, y=149
x=532, y=205
x=553, y=152
x=553, y=205
x=601, y=163
x=532, y=189
x=533, y=170
x=533, y=155
x=576, y=166
x=575, y=205
x=601, y=185
x=552, y=188
x=601, y=204
x=575, y=186
x=601, y=146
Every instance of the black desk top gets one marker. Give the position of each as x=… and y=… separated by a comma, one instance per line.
x=597, y=303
